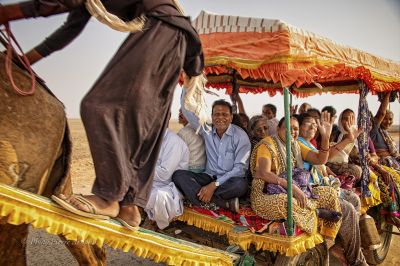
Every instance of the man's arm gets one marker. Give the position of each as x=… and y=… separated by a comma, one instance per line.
x=380, y=115
x=239, y=102
x=38, y=8
x=72, y=27
x=190, y=117
x=174, y=153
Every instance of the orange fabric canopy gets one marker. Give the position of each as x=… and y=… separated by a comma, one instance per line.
x=266, y=55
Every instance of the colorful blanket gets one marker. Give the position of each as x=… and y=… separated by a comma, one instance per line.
x=246, y=229
x=246, y=219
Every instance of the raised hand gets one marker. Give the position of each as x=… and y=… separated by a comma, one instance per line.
x=352, y=131
x=293, y=109
x=325, y=124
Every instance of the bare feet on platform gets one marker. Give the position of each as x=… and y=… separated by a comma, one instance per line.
x=338, y=252
x=329, y=215
x=129, y=216
x=90, y=206
x=150, y=225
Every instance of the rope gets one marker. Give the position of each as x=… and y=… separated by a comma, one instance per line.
x=9, y=37
x=179, y=7
x=97, y=10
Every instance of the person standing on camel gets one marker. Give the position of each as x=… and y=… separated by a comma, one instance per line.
x=127, y=110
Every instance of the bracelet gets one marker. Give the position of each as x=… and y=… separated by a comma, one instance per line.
x=337, y=148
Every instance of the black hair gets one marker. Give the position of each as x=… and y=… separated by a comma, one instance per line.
x=303, y=117
x=347, y=110
x=314, y=110
x=224, y=103
x=245, y=117
x=330, y=109
x=237, y=121
x=272, y=107
x=283, y=120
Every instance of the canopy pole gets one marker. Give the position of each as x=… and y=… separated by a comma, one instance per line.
x=235, y=91
x=289, y=228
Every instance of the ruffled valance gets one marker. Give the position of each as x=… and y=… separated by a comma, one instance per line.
x=21, y=207
x=286, y=245
x=263, y=53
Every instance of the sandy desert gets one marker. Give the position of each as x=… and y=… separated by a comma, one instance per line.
x=44, y=249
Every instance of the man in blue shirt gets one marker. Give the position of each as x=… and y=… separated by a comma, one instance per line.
x=228, y=152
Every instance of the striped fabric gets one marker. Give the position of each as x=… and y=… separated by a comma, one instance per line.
x=267, y=53
x=209, y=23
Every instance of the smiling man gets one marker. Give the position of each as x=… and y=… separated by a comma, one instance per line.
x=228, y=151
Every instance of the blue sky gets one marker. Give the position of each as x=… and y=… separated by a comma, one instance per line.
x=370, y=25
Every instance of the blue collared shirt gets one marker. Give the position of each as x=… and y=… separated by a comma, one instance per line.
x=227, y=156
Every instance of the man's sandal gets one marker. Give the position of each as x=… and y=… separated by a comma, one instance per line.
x=89, y=205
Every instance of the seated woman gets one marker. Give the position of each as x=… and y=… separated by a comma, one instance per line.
x=268, y=162
x=385, y=146
x=338, y=160
x=308, y=126
x=387, y=184
x=320, y=174
x=258, y=129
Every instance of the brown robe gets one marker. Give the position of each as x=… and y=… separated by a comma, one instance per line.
x=127, y=110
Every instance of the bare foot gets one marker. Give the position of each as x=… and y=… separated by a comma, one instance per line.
x=149, y=225
x=329, y=215
x=130, y=214
x=338, y=252
x=103, y=207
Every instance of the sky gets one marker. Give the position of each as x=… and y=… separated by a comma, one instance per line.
x=369, y=25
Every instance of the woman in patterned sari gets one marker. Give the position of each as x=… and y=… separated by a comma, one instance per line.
x=258, y=129
x=349, y=201
x=268, y=162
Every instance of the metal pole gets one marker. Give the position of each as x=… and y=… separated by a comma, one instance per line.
x=235, y=91
x=288, y=141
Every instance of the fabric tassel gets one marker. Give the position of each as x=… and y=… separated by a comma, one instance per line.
x=195, y=102
x=97, y=10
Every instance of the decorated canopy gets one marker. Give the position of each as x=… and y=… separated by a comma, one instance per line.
x=266, y=55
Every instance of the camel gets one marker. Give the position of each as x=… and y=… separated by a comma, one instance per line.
x=35, y=155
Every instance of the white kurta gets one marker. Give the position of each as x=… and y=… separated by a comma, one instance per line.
x=197, y=149
x=165, y=201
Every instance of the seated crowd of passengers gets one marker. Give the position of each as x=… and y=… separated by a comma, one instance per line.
x=241, y=158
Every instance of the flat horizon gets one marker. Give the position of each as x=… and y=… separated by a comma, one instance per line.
x=393, y=128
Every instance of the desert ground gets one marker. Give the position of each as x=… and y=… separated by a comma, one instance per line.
x=44, y=249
